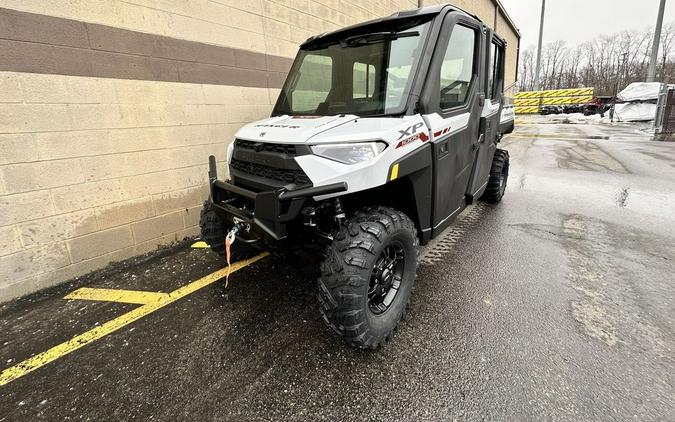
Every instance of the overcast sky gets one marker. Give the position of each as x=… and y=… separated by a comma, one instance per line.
x=576, y=21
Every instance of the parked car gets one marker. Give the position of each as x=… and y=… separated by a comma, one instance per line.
x=572, y=108
x=593, y=107
x=550, y=109
x=598, y=105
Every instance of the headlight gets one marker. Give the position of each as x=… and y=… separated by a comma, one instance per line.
x=350, y=153
x=230, y=151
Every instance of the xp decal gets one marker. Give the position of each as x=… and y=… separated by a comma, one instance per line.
x=411, y=130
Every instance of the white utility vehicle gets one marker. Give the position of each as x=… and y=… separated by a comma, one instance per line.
x=382, y=134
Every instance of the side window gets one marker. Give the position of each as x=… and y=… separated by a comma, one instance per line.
x=363, y=80
x=457, y=69
x=491, y=70
x=314, y=86
x=495, y=71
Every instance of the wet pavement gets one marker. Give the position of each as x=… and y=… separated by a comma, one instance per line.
x=557, y=304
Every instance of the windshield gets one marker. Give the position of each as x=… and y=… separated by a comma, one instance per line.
x=365, y=74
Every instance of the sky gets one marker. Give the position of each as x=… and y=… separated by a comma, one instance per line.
x=577, y=21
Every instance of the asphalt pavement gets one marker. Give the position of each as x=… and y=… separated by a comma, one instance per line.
x=556, y=304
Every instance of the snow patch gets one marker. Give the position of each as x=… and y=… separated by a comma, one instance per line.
x=640, y=91
x=634, y=112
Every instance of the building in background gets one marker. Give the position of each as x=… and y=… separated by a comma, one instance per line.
x=110, y=108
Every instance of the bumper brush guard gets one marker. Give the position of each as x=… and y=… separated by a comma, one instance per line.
x=267, y=220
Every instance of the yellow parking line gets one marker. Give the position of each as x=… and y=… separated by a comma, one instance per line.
x=41, y=359
x=114, y=295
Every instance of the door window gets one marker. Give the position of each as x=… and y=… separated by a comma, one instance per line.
x=495, y=70
x=458, y=68
x=363, y=80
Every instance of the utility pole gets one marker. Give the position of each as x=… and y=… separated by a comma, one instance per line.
x=625, y=68
x=651, y=70
x=621, y=71
x=541, y=34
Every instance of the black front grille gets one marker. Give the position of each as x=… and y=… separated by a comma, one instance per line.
x=281, y=175
x=266, y=147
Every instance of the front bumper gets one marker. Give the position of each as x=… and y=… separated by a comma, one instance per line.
x=268, y=213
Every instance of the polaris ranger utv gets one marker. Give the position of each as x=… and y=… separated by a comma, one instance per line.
x=382, y=134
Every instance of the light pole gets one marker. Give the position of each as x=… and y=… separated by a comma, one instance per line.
x=541, y=34
x=651, y=70
x=618, y=78
x=621, y=71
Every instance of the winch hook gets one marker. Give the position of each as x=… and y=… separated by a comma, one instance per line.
x=229, y=240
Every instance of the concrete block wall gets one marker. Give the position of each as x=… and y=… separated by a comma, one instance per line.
x=110, y=108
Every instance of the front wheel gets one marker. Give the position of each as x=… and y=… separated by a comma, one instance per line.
x=368, y=275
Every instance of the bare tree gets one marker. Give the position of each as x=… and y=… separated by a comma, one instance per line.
x=667, y=41
x=606, y=63
x=526, y=71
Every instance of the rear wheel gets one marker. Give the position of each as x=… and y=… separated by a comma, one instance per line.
x=368, y=275
x=213, y=232
x=499, y=175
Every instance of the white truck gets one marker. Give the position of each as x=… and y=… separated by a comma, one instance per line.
x=382, y=134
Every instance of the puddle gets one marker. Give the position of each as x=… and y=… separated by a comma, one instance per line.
x=618, y=300
x=584, y=155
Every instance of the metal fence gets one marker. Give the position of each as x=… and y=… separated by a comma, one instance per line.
x=664, y=123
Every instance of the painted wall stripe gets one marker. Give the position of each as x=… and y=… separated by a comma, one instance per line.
x=41, y=359
x=45, y=44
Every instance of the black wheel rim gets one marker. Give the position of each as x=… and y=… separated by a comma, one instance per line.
x=386, y=278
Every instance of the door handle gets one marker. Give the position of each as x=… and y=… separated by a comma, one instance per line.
x=443, y=149
x=480, y=140
x=481, y=99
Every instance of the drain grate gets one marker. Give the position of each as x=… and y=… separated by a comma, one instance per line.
x=439, y=247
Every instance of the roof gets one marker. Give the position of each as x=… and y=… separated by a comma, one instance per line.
x=405, y=14
x=422, y=11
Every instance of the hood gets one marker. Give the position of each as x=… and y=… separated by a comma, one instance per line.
x=323, y=129
x=291, y=129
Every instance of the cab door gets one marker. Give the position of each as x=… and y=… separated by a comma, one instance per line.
x=452, y=101
x=489, y=119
